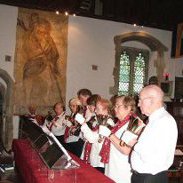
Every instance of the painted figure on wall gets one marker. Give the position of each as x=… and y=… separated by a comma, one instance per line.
x=40, y=61
x=40, y=69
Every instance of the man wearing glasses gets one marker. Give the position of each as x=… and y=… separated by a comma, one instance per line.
x=153, y=153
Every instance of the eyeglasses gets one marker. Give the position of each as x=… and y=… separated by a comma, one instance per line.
x=117, y=106
x=142, y=99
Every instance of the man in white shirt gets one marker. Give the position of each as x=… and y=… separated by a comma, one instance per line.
x=153, y=153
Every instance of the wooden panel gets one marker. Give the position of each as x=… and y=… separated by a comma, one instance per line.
x=179, y=88
x=176, y=110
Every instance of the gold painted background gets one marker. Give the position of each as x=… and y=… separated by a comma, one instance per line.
x=40, y=60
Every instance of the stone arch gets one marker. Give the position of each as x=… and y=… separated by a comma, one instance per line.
x=2, y=104
x=151, y=42
x=143, y=37
x=8, y=107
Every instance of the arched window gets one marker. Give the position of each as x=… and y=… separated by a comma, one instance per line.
x=131, y=63
x=133, y=70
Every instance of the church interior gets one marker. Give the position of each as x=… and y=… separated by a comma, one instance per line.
x=50, y=50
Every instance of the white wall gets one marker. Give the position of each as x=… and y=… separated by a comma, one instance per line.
x=8, y=20
x=90, y=42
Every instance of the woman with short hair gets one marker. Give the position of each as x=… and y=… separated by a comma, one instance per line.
x=89, y=129
x=115, y=152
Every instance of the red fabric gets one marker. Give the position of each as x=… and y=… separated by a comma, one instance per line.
x=33, y=170
x=105, y=151
x=53, y=122
x=88, y=146
x=87, y=151
x=84, y=110
x=66, y=134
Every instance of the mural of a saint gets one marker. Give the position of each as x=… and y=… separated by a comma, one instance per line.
x=40, y=62
x=40, y=70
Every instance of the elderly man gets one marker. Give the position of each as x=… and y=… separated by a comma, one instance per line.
x=154, y=151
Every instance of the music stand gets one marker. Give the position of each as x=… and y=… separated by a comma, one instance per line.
x=55, y=156
x=49, y=148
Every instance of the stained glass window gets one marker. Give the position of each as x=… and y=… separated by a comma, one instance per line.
x=124, y=74
x=132, y=72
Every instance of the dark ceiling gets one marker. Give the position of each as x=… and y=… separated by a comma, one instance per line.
x=163, y=14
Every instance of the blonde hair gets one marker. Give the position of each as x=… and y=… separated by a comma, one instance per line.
x=74, y=101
